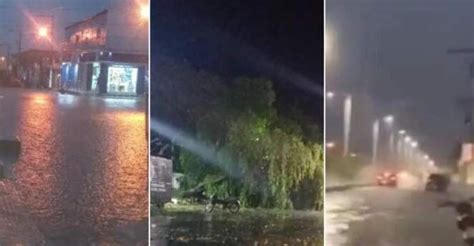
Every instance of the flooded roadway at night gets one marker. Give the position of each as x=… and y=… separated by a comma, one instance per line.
x=193, y=226
x=81, y=178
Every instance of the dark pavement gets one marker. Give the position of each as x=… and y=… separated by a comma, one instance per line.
x=81, y=178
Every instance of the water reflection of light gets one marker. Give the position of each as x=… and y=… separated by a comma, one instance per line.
x=126, y=174
x=36, y=170
x=40, y=98
x=67, y=100
x=120, y=102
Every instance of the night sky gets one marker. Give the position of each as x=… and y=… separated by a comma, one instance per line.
x=395, y=52
x=280, y=40
x=15, y=16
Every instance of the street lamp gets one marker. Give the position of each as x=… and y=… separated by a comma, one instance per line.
x=330, y=145
x=388, y=119
x=47, y=32
x=3, y=58
x=144, y=11
x=407, y=139
x=43, y=32
x=402, y=132
x=330, y=94
x=414, y=144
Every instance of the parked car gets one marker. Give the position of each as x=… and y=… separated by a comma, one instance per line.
x=437, y=182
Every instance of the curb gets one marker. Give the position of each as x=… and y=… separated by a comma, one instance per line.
x=347, y=187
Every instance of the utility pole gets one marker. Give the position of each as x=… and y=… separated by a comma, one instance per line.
x=52, y=62
x=20, y=39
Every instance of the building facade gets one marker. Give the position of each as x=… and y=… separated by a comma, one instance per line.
x=106, y=54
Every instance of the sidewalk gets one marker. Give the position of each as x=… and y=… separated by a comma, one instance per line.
x=94, y=94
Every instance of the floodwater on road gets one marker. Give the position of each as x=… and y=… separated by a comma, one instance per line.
x=248, y=227
x=81, y=178
x=390, y=217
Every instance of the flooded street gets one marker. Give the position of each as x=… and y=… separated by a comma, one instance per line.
x=248, y=227
x=82, y=173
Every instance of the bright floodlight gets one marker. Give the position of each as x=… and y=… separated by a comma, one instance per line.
x=353, y=155
x=402, y=132
x=145, y=11
x=388, y=119
x=432, y=163
x=330, y=94
x=330, y=145
x=407, y=139
x=414, y=144
x=3, y=58
x=43, y=31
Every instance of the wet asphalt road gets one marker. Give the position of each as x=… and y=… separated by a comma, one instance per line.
x=81, y=178
x=390, y=217
x=248, y=227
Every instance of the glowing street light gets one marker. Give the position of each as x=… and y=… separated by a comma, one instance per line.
x=353, y=155
x=402, y=132
x=2, y=58
x=43, y=32
x=144, y=11
x=389, y=119
x=330, y=94
x=414, y=144
x=432, y=163
x=330, y=145
x=407, y=139
x=427, y=157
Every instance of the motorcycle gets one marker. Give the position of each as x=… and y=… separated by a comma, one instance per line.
x=464, y=219
x=232, y=204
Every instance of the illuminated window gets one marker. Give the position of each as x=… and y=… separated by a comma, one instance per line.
x=122, y=79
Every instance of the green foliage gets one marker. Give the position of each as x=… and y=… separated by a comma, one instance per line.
x=263, y=158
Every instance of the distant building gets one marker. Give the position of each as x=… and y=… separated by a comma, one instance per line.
x=107, y=53
x=33, y=68
x=466, y=164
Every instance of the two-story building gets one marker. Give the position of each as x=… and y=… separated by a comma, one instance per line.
x=107, y=53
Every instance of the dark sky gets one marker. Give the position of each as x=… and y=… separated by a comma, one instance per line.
x=396, y=50
x=281, y=40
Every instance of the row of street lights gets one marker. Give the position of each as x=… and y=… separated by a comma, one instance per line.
x=407, y=147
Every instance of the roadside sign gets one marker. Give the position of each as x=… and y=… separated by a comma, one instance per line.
x=161, y=176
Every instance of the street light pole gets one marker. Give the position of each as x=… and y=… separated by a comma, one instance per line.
x=375, y=141
x=52, y=62
x=347, y=123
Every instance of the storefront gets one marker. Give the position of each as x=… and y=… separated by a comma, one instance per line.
x=99, y=58
x=118, y=78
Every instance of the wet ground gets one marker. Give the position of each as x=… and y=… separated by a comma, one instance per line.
x=248, y=227
x=390, y=217
x=81, y=178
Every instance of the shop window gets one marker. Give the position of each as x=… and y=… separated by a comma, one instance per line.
x=122, y=79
